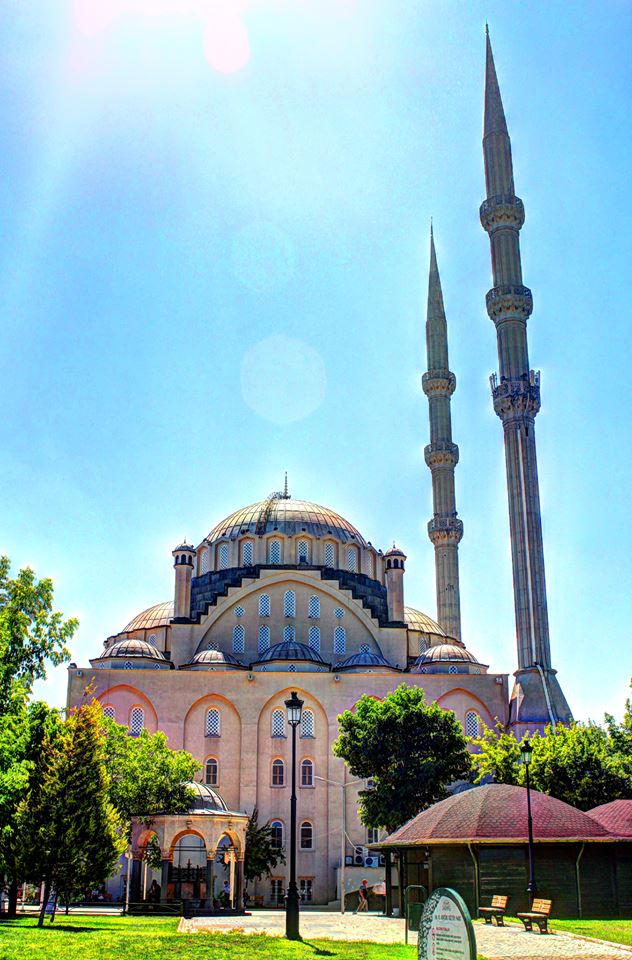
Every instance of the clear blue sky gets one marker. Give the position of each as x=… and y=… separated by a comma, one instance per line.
x=214, y=252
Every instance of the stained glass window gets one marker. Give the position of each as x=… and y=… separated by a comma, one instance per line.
x=136, y=721
x=213, y=723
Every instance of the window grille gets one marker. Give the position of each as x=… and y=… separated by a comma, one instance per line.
x=370, y=569
x=264, y=604
x=307, y=835
x=339, y=613
x=365, y=648
x=305, y=889
x=313, y=607
x=289, y=603
x=307, y=724
x=330, y=555
x=372, y=835
x=278, y=723
x=247, y=553
x=212, y=772
x=264, y=639
x=340, y=640
x=352, y=559
x=110, y=713
x=223, y=556
x=289, y=634
x=136, y=721
x=128, y=665
x=307, y=773
x=276, y=840
x=302, y=551
x=274, y=551
x=278, y=773
x=314, y=638
x=472, y=724
x=239, y=611
x=239, y=638
x=213, y=723
x=153, y=640
x=276, y=887
x=453, y=669
x=204, y=563
x=292, y=668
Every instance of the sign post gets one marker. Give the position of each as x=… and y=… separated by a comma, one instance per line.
x=446, y=931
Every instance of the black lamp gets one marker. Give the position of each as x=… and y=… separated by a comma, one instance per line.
x=294, y=706
x=526, y=750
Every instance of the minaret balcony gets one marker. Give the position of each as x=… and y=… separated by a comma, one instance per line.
x=509, y=302
x=441, y=453
x=443, y=530
x=514, y=399
x=502, y=211
x=438, y=383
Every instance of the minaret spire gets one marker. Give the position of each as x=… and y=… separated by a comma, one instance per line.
x=442, y=455
x=537, y=698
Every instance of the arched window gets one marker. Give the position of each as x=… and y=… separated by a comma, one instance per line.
x=289, y=603
x=313, y=607
x=370, y=565
x=136, y=721
x=340, y=640
x=264, y=639
x=247, y=553
x=239, y=638
x=330, y=554
x=472, y=724
x=307, y=835
x=204, y=562
x=364, y=648
x=264, y=604
x=278, y=773
x=307, y=724
x=274, y=551
x=352, y=559
x=289, y=634
x=109, y=712
x=128, y=665
x=453, y=669
x=153, y=640
x=307, y=773
x=276, y=834
x=211, y=772
x=278, y=723
x=314, y=638
x=213, y=724
x=223, y=556
x=302, y=551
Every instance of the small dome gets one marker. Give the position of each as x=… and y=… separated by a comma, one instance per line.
x=206, y=798
x=131, y=647
x=395, y=552
x=185, y=547
x=365, y=659
x=215, y=659
x=446, y=653
x=157, y=616
x=416, y=620
x=286, y=516
x=291, y=650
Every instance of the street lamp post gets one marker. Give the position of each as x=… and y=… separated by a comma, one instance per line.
x=128, y=856
x=343, y=831
x=526, y=750
x=294, y=707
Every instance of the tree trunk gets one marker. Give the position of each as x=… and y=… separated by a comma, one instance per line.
x=12, y=893
x=40, y=922
x=54, y=910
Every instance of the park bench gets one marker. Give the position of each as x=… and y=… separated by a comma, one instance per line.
x=497, y=909
x=539, y=913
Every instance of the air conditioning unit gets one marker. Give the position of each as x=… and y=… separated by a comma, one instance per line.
x=358, y=856
x=348, y=860
x=372, y=862
x=382, y=860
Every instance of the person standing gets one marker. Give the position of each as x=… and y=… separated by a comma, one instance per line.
x=363, y=898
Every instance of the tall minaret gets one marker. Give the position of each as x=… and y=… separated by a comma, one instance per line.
x=445, y=529
x=537, y=697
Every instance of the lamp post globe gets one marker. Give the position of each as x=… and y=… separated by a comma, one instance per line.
x=526, y=750
x=294, y=707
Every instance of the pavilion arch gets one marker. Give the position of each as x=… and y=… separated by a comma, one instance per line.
x=187, y=832
x=124, y=696
x=465, y=701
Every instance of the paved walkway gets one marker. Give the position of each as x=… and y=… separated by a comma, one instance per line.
x=494, y=943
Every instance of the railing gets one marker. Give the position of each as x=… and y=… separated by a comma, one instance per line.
x=163, y=908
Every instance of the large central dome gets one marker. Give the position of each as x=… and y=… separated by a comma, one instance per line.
x=287, y=516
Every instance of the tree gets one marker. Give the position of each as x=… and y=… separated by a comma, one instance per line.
x=261, y=854
x=31, y=632
x=412, y=751
x=70, y=833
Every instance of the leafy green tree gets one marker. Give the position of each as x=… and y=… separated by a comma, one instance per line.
x=71, y=836
x=412, y=750
x=31, y=632
x=261, y=854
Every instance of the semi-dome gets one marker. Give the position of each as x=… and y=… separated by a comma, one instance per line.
x=416, y=620
x=291, y=650
x=287, y=516
x=157, y=616
x=131, y=647
x=497, y=812
x=206, y=799
x=214, y=660
x=364, y=660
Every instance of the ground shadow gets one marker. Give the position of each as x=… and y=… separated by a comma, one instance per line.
x=318, y=950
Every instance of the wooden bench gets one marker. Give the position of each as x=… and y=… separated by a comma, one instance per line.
x=497, y=910
x=539, y=913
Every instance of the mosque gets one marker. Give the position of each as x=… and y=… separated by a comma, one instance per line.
x=286, y=594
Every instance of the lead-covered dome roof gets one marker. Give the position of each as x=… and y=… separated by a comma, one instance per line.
x=215, y=659
x=446, y=652
x=287, y=516
x=157, y=616
x=131, y=647
x=416, y=620
x=365, y=659
x=291, y=650
x=205, y=798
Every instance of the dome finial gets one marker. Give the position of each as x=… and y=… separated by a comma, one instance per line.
x=286, y=495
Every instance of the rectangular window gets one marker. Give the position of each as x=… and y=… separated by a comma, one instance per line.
x=276, y=890
x=305, y=889
x=247, y=554
x=372, y=835
x=330, y=555
x=264, y=604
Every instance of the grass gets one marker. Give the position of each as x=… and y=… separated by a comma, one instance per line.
x=156, y=938
x=617, y=930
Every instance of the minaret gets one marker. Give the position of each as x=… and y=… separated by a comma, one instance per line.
x=537, y=697
x=445, y=529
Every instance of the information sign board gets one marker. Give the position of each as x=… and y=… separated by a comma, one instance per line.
x=445, y=929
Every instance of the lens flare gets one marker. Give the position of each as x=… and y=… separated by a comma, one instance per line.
x=226, y=44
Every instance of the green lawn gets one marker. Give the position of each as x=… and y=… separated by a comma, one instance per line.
x=618, y=931
x=140, y=938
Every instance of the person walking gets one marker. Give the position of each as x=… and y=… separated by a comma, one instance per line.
x=363, y=898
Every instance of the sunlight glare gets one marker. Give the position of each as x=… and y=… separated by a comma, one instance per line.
x=226, y=44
